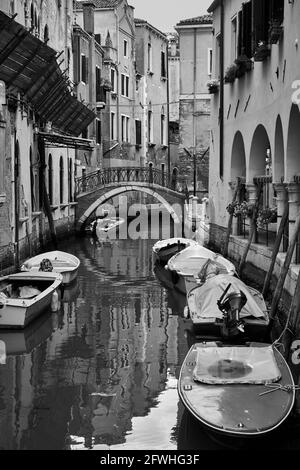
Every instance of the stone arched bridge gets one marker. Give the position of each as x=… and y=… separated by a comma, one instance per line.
x=98, y=187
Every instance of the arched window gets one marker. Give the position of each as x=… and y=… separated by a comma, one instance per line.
x=50, y=179
x=61, y=180
x=46, y=33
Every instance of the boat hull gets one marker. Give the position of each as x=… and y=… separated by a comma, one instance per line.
x=164, y=250
x=19, y=312
x=236, y=409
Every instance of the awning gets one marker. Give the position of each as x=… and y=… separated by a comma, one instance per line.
x=30, y=66
x=53, y=140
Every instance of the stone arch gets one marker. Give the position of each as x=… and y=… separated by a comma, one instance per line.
x=293, y=144
x=258, y=153
x=123, y=189
x=238, y=157
x=278, y=160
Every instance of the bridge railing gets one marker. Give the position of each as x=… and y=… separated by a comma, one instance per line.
x=149, y=175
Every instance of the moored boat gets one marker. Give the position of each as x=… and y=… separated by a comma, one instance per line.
x=249, y=316
x=58, y=261
x=25, y=295
x=163, y=250
x=195, y=264
x=239, y=391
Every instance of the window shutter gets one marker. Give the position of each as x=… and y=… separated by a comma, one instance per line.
x=277, y=10
x=138, y=132
x=261, y=18
x=240, y=30
x=247, y=29
x=98, y=84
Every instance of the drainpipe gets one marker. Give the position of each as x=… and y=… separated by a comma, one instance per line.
x=221, y=116
x=118, y=73
x=168, y=118
x=16, y=181
x=194, y=111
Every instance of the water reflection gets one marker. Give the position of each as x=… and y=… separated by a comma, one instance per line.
x=101, y=373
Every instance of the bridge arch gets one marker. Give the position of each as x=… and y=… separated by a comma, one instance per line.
x=123, y=189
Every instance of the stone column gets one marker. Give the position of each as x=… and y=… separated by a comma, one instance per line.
x=281, y=199
x=252, y=199
x=294, y=203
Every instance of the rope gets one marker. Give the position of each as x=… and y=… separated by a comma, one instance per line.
x=284, y=388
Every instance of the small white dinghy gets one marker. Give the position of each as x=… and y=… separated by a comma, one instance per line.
x=57, y=261
x=249, y=315
x=23, y=296
x=163, y=250
x=195, y=264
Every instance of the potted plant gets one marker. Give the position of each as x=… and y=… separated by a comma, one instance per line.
x=243, y=209
x=275, y=31
x=244, y=65
x=213, y=86
x=230, y=74
x=266, y=216
x=262, y=51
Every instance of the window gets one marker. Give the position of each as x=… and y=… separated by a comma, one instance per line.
x=125, y=128
x=150, y=126
x=125, y=48
x=98, y=131
x=84, y=133
x=233, y=39
x=163, y=129
x=138, y=132
x=113, y=80
x=217, y=56
x=98, y=84
x=245, y=45
x=61, y=180
x=149, y=57
x=112, y=126
x=70, y=180
x=84, y=68
x=50, y=179
x=98, y=38
x=163, y=64
x=209, y=63
x=124, y=85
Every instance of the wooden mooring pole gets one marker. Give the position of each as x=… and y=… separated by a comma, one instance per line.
x=275, y=251
x=284, y=271
x=229, y=227
x=252, y=228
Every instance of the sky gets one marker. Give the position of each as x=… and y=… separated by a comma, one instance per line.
x=164, y=14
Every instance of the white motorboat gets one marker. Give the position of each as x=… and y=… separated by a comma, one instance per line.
x=195, y=264
x=24, y=296
x=60, y=262
x=209, y=317
x=163, y=250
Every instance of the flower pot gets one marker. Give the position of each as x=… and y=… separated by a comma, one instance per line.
x=261, y=53
x=213, y=89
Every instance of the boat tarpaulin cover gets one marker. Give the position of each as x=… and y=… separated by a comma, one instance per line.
x=236, y=365
x=203, y=299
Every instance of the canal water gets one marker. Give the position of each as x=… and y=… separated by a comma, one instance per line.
x=101, y=372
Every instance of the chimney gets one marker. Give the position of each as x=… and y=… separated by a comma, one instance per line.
x=89, y=17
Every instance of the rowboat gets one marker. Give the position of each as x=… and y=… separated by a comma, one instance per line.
x=250, y=320
x=194, y=265
x=163, y=250
x=24, y=296
x=239, y=391
x=60, y=262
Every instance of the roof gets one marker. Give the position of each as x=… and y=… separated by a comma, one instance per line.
x=213, y=6
x=140, y=22
x=100, y=3
x=204, y=19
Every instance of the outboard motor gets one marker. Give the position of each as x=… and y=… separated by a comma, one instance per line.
x=231, y=306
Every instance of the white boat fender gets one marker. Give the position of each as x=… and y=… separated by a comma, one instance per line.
x=54, y=301
x=186, y=312
x=2, y=353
